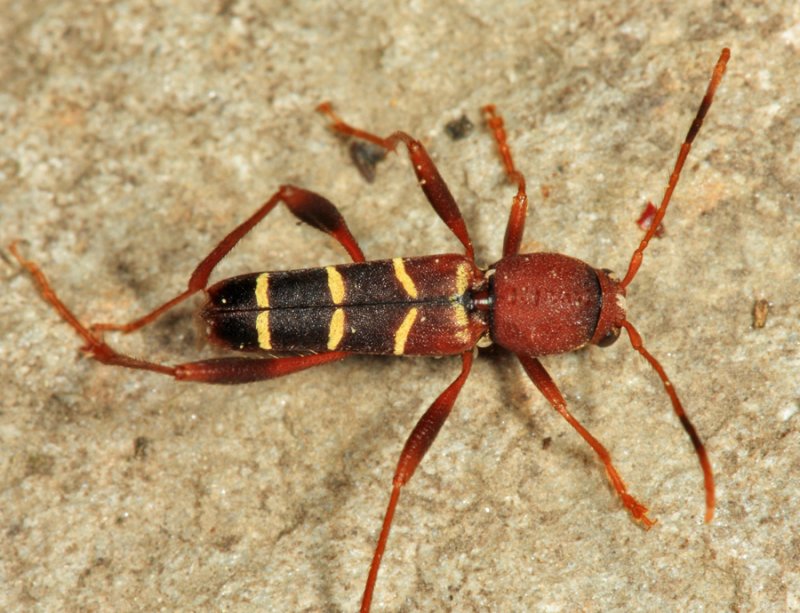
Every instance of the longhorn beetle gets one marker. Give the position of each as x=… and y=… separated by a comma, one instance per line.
x=532, y=304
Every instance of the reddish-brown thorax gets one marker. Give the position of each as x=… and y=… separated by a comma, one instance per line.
x=547, y=303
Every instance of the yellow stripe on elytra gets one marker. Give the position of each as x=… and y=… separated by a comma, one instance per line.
x=462, y=322
x=335, y=284
x=462, y=279
x=262, y=290
x=401, y=336
x=336, y=331
x=402, y=276
x=460, y=316
x=262, y=319
x=262, y=327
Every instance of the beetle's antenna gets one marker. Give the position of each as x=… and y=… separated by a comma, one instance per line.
x=708, y=474
x=716, y=77
x=636, y=262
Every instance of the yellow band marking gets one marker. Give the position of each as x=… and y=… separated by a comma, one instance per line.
x=262, y=319
x=462, y=279
x=460, y=316
x=262, y=327
x=335, y=284
x=262, y=290
x=402, y=276
x=401, y=336
x=336, y=330
x=462, y=322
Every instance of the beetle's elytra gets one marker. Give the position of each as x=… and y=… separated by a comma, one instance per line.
x=532, y=304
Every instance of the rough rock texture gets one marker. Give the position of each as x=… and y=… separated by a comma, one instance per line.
x=133, y=135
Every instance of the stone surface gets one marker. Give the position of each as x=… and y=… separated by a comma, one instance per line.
x=133, y=135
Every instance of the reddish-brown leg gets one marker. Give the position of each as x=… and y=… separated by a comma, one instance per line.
x=550, y=391
x=699, y=448
x=220, y=370
x=420, y=440
x=431, y=182
x=307, y=206
x=519, y=208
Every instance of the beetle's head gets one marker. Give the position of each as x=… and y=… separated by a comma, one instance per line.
x=612, y=309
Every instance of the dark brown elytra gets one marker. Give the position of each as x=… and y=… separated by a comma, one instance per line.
x=533, y=305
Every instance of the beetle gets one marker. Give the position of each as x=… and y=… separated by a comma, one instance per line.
x=532, y=304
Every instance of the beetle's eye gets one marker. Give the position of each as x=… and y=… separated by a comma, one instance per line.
x=610, y=338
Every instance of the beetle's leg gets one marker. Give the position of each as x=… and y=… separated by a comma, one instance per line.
x=420, y=440
x=307, y=206
x=550, y=391
x=519, y=207
x=247, y=370
x=220, y=370
x=431, y=182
